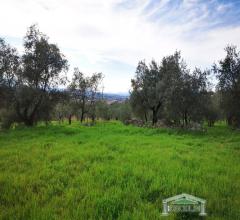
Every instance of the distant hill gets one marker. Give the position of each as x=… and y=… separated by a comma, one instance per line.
x=115, y=97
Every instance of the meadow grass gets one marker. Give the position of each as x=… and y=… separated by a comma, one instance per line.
x=112, y=171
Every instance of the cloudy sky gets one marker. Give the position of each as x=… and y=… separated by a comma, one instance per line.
x=111, y=36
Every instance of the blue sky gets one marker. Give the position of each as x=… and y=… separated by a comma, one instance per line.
x=111, y=36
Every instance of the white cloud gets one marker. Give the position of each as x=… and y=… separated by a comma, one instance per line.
x=95, y=35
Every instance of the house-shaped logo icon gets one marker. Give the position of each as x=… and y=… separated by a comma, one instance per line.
x=184, y=203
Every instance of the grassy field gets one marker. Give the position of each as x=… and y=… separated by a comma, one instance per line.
x=112, y=171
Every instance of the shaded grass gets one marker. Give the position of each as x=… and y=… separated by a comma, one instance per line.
x=112, y=171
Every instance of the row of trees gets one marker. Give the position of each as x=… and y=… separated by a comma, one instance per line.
x=166, y=91
x=29, y=84
x=171, y=92
x=103, y=111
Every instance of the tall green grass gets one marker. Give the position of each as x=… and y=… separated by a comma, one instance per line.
x=112, y=171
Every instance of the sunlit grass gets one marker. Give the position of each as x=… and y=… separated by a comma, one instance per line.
x=112, y=171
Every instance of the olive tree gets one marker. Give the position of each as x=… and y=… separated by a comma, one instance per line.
x=228, y=74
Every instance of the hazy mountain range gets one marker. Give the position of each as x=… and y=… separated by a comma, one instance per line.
x=114, y=96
